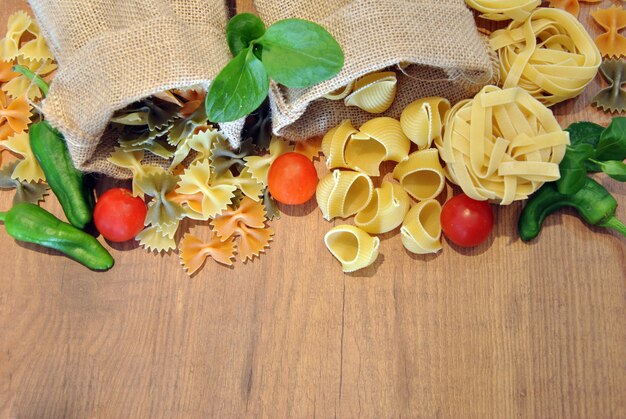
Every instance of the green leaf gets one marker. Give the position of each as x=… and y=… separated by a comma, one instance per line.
x=572, y=168
x=242, y=29
x=614, y=168
x=584, y=132
x=298, y=53
x=239, y=89
x=612, y=144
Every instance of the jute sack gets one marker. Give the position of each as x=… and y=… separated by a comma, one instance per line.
x=114, y=52
x=439, y=38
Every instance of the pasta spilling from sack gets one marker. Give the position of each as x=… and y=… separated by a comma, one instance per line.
x=422, y=120
x=550, y=55
x=502, y=145
x=352, y=247
x=343, y=193
x=517, y=10
x=386, y=210
x=421, y=229
x=374, y=93
x=421, y=174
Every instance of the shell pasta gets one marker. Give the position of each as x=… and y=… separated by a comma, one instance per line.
x=386, y=210
x=421, y=175
x=421, y=229
x=343, y=194
x=422, y=120
x=352, y=247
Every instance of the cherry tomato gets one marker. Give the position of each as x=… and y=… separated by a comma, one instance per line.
x=465, y=221
x=292, y=179
x=119, y=216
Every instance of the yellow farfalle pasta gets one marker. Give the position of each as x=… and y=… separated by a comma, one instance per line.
x=378, y=140
x=422, y=120
x=21, y=86
x=259, y=166
x=17, y=24
x=131, y=160
x=386, y=210
x=310, y=148
x=374, y=93
x=340, y=93
x=343, y=193
x=352, y=247
x=421, y=229
x=421, y=175
x=154, y=239
x=197, y=179
x=28, y=168
x=244, y=182
x=36, y=49
x=550, y=55
x=502, y=145
x=334, y=144
x=504, y=9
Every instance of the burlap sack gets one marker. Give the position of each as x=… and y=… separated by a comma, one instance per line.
x=114, y=52
x=439, y=37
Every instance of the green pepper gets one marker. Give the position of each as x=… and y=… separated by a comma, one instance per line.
x=67, y=183
x=29, y=223
x=592, y=202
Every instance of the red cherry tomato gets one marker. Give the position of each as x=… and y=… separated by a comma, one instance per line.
x=465, y=221
x=119, y=216
x=292, y=179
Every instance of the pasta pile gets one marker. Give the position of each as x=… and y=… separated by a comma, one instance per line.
x=502, y=145
x=374, y=93
x=550, y=55
x=23, y=45
x=355, y=155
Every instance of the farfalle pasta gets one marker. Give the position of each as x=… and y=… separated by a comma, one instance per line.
x=613, y=97
x=352, y=247
x=550, y=55
x=422, y=120
x=154, y=239
x=248, y=185
x=259, y=166
x=20, y=86
x=386, y=210
x=502, y=145
x=421, y=229
x=310, y=148
x=343, y=193
x=611, y=43
x=162, y=211
x=374, y=93
x=17, y=24
x=28, y=168
x=518, y=10
x=197, y=179
x=14, y=116
x=132, y=161
x=421, y=174
x=571, y=6
x=194, y=251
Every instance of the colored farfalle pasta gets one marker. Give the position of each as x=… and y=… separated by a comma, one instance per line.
x=422, y=120
x=571, y=6
x=162, y=211
x=154, y=239
x=386, y=210
x=343, y=193
x=502, y=145
x=14, y=116
x=517, y=10
x=132, y=162
x=612, y=98
x=310, y=148
x=259, y=166
x=550, y=55
x=352, y=247
x=194, y=251
x=421, y=174
x=374, y=93
x=17, y=24
x=20, y=85
x=611, y=43
x=421, y=229
x=28, y=168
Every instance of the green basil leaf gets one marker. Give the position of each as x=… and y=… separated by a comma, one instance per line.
x=584, y=132
x=572, y=168
x=298, y=53
x=612, y=144
x=614, y=168
x=242, y=29
x=239, y=89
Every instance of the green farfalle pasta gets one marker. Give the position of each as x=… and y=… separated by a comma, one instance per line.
x=24, y=191
x=161, y=210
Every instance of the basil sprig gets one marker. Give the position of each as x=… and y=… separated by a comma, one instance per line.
x=294, y=52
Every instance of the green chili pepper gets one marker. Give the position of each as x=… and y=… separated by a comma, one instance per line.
x=29, y=223
x=592, y=201
x=67, y=183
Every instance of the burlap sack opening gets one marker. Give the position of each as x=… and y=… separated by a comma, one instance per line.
x=439, y=38
x=114, y=52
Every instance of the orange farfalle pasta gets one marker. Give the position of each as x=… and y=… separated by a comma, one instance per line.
x=571, y=6
x=611, y=43
x=248, y=223
x=14, y=116
x=5, y=71
x=194, y=251
x=310, y=148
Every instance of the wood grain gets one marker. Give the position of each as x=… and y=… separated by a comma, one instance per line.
x=504, y=330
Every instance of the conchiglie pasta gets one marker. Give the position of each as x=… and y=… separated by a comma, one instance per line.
x=504, y=9
x=340, y=93
x=352, y=247
x=343, y=193
x=421, y=175
x=386, y=210
x=378, y=140
x=421, y=229
x=374, y=93
x=334, y=144
x=422, y=120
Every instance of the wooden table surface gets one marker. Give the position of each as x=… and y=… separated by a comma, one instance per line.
x=504, y=330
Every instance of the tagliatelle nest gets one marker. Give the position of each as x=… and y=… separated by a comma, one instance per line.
x=502, y=145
